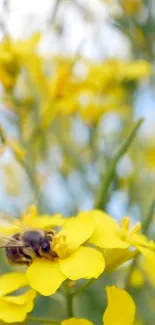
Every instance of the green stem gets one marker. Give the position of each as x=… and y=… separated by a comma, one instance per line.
x=148, y=219
x=55, y=10
x=69, y=300
x=106, y=181
x=145, y=228
x=43, y=320
x=85, y=286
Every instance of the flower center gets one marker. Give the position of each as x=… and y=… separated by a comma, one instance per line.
x=59, y=246
x=126, y=232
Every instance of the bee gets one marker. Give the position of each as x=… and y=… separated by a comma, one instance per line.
x=23, y=247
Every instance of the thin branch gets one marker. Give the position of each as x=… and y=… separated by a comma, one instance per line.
x=108, y=178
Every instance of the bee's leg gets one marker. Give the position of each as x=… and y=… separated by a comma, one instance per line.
x=25, y=258
x=15, y=255
x=54, y=256
x=50, y=232
x=21, y=262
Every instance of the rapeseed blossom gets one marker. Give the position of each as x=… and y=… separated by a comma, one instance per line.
x=120, y=310
x=12, y=55
x=74, y=259
x=109, y=234
x=15, y=308
x=119, y=243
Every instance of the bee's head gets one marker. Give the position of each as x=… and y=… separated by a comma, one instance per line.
x=46, y=245
x=40, y=242
x=33, y=238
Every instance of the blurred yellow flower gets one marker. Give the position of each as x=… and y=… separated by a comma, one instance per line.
x=11, y=53
x=15, y=308
x=132, y=7
x=120, y=310
x=136, y=70
x=74, y=261
x=150, y=157
x=137, y=278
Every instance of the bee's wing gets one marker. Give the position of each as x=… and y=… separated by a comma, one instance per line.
x=10, y=221
x=10, y=242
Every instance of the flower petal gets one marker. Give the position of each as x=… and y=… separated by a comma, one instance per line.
x=14, y=309
x=45, y=276
x=140, y=240
x=117, y=256
x=11, y=282
x=148, y=254
x=76, y=321
x=120, y=309
x=46, y=222
x=33, y=220
x=106, y=233
x=77, y=230
x=86, y=263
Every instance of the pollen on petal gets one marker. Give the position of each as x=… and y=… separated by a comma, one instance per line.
x=45, y=276
x=85, y=262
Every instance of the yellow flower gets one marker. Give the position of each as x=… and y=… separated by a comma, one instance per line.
x=137, y=278
x=132, y=7
x=11, y=56
x=8, y=64
x=74, y=261
x=120, y=310
x=136, y=70
x=150, y=157
x=31, y=219
x=14, y=308
x=109, y=235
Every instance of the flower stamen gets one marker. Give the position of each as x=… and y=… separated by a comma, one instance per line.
x=59, y=246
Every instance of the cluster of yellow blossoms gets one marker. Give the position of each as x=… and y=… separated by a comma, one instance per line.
x=86, y=245
x=65, y=86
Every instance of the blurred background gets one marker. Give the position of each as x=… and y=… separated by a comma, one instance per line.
x=75, y=75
